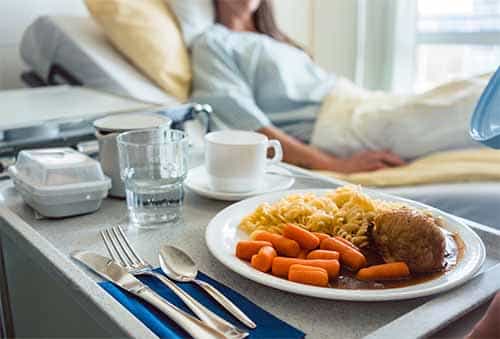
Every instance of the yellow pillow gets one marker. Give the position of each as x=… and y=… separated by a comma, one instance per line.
x=147, y=33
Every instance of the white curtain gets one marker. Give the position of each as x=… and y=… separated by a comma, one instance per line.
x=385, y=44
x=371, y=42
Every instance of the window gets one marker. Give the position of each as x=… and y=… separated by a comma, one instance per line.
x=455, y=38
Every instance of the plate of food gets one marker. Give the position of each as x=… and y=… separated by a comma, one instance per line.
x=345, y=244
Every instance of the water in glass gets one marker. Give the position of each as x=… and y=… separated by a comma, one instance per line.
x=154, y=169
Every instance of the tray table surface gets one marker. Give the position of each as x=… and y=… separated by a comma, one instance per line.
x=316, y=317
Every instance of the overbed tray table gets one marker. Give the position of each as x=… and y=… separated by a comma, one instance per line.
x=48, y=244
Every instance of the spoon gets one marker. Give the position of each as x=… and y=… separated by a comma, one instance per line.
x=178, y=266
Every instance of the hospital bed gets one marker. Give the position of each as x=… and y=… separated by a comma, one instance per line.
x=73, y=50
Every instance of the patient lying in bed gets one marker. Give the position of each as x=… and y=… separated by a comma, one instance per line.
x=256, y=78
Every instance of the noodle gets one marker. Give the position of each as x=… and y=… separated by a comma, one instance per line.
x=345, y=212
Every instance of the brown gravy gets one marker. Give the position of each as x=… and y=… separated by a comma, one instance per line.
x=454, y=251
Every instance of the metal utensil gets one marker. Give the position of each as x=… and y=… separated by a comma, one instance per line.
x=122, y=252
x=177, y=265
x=113, y=272
x=295, y=176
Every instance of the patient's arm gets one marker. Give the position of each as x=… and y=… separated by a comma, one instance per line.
x=220, y=82
x=297, y=153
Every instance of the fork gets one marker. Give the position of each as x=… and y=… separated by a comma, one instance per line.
x=122, y=252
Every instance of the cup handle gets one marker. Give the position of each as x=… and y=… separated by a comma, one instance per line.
x=278, y=152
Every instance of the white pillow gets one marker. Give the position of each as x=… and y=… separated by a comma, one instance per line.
x=195, y=16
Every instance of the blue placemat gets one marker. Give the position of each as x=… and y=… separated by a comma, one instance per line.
x=268, y=326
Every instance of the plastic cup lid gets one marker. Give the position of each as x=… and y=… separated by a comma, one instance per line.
x=485, y=123
x=130, y=121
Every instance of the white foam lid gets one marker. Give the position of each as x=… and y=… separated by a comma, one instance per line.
x=58, y=171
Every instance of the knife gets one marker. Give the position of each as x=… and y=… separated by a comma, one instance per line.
x=113, y=272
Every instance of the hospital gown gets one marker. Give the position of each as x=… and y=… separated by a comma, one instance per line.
x=253, y=81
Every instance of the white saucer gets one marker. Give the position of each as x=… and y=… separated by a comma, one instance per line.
x=197, y=181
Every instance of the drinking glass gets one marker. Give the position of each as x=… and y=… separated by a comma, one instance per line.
x=153, y=166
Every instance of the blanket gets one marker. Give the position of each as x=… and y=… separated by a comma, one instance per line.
x=353, y=119
x=428, y=129
x=471, y=165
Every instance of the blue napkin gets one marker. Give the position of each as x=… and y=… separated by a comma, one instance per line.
x=268, y=326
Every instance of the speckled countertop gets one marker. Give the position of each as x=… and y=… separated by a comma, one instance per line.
x=54, y=240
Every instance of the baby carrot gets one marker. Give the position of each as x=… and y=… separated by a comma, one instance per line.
x=303, y=254
x=347, y=242
x=264, y=259
x=281, y=266
x=305, y=238
x=284, y=246
x=245, y=249
x=321, y=236
x=323, y=254
x=348, y=255
x=308, y=275
x=390, y=271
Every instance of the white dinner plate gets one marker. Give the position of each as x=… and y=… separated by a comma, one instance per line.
x=197, y=181
x=223, y=233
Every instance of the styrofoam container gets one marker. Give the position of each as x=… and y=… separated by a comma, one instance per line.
x=59, y=182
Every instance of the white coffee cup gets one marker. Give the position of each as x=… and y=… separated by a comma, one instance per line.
x=236, y=161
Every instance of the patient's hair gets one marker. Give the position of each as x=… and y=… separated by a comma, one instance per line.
x=265, y=23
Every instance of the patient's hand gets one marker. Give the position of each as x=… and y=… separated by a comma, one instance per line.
x=489, y=326
x=366, y=162
x=297, y=153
